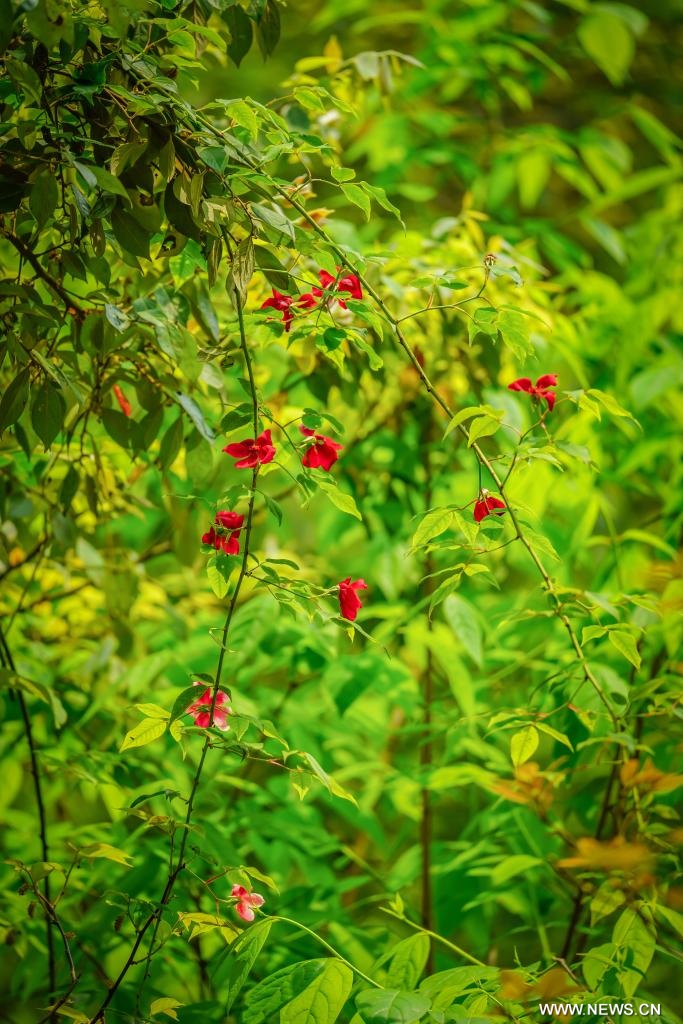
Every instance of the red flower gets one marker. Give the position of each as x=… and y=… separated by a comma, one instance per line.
x=230, y=520
x=309, y=300
x=349, y=601
x=486, y=506
x=282, y=303
x=201, y=709
x=349, y=283
x=229, y=542
x=251, y=452
x=539, y=390
x=126, y=407
x=246, y=901
x=322, y=454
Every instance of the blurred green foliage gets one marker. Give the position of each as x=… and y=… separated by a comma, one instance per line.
x=463, y=802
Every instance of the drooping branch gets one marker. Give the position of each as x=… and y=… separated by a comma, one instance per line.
x=7, y=661
x=441, y=402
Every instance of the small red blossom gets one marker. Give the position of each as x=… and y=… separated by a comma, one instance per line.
x=251, y=452
x=246, y=901
x=539, y=390
x=201, y=709
x=282, y=303
x=126, y=407
x=348, y=283
x=349, y=601
x=229, y=542
x=486, y=506
x=322, y=454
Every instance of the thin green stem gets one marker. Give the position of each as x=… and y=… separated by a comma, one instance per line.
x=180, y=863
x=437, y=938
x=318, y=938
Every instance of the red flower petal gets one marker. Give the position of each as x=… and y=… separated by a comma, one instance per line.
x=349, y=602
x=523, y=384
x=229, y=520
x=548, y=380
x=250, y=452
x=323, y=453
x=487, y=505
x=126, y=407
x=201, y=709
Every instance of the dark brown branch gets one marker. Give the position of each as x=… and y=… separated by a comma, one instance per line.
x=49, y=280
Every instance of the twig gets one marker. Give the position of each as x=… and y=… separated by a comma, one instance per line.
x=7, y=660
x=56, y=287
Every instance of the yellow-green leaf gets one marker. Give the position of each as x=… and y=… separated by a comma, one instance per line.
x=523, y=744
x=146, y=731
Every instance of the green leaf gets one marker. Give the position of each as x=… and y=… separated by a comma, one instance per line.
x=432, y=525
x=239, y=26
x=468, y=412
x=273, y=507
x=118, y=426
x=241, y=961
x=218, y=575
x=610, y=403
x=13, y=401
x=242, y=268
x=482, y=426
x=182, y=702
x=340, y=174
x=196, y=415
x=44, y=198
x=146, y=731
x=116, y=317
x=596, y=962
x=47, y=412
x=625, y=643
x=322, y=1001
x=389, y=1006
x=97, y=850
x=274, y=218
x=276, y=274
x=271, y=994
x=559, y=736
x=356, y=195
x=35, y=689
x=130, y=234
x=375, y=361
x=108, y=182
x=171, y=444
x=408, y=961
x=344, y=502
x=268, y=28
x=510, y=867
x=637, y=943
x=464, y=621
x=330, y=784
x=26, y=78
x=607, y=40
x=166, y=1005
x=380, y=197
x=606, y=900
x=523, y=744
